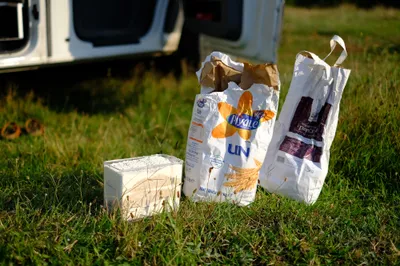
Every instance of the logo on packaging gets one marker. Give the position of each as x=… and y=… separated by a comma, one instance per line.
x=216, y=161
x=304, y=126
x=201, y=102
x=242, y=119
x=238, y=150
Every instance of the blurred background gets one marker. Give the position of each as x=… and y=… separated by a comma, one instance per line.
x=131, y=106
x=331, y=3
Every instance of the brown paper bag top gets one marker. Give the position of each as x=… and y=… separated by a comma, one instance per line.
x=262, y=74
x=217, y=75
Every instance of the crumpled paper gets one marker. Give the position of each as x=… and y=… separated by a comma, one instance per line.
x=217, y=75
x=266, y=74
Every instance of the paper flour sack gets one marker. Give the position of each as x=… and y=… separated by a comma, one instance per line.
x=297, y=161
x=231, y=128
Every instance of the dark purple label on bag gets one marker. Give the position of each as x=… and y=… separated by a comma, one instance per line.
x=309, y=129
x=301, y=150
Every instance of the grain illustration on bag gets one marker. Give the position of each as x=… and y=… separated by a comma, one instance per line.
x=231, y=127
x=297, y=161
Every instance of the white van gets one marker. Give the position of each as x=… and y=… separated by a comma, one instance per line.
x=35, y=33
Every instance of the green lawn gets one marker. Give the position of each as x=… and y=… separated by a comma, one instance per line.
x=51, y=187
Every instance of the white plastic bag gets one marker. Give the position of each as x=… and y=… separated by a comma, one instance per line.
x=297, y=160
x=229, y=134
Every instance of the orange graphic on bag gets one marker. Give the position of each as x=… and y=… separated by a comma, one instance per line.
x=242, y=119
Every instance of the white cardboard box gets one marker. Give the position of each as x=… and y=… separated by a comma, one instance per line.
x=143, y=186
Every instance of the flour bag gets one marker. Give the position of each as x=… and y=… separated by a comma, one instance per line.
x=297, y=160
x=232, y=125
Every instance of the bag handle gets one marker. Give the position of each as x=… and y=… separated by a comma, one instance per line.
x=318, y=61
x=337, y=40
x=312, y=55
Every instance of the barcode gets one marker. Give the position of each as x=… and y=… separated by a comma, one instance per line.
x=281, y=159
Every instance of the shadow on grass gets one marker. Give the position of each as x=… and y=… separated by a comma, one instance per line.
x=386, y=49
x=91, y=88
x=70, y=191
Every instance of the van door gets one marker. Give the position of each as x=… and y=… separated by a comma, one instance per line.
x=248, y=29
x=22, y=34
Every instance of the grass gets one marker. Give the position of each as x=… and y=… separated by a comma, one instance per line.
x=51, y=187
